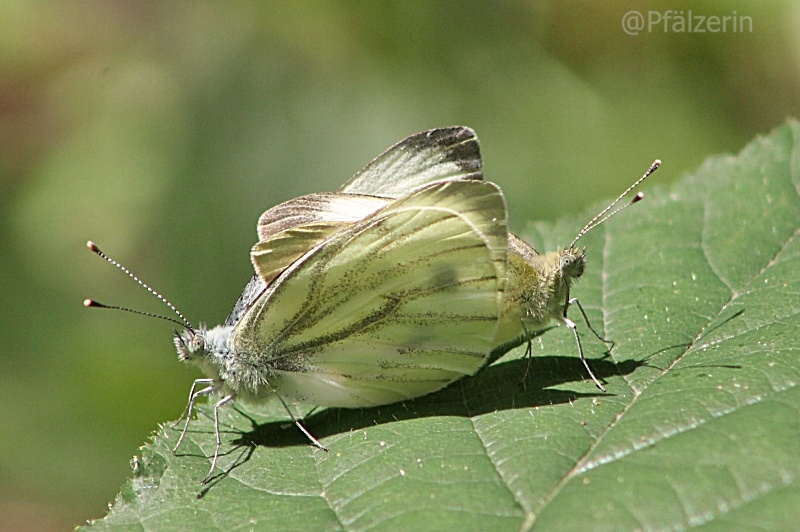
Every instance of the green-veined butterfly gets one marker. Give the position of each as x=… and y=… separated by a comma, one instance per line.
x=538, y=285
x=397, y=305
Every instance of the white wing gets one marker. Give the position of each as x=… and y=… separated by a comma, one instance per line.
x=392, y=308
x=444, y=154
x=439, y=154
x=450, y=153
x=299, y=224
x=273, y=255
x=313, y=208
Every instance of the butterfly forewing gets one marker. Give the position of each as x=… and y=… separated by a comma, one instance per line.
x=397, y=306
x=450, y=153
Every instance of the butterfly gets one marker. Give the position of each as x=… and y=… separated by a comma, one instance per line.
x=398, y=304
x=538, y=285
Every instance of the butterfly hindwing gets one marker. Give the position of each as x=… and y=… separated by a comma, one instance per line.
x=276, y=253
x=394, y=307
x=312, y=208
x=450, y=153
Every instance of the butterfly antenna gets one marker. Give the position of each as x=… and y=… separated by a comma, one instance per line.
x=97, y=304
x=604, y=215
x=92, y=303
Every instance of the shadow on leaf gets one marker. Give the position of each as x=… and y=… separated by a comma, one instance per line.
x=499, y=387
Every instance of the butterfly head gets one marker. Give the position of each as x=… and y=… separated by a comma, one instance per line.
x=190, y=344
x=572, y=262
x=208, y=349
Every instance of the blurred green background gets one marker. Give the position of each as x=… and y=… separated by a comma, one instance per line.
x=162, y=130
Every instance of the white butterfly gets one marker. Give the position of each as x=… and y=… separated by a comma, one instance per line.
x=538, y=285
x=396, y=306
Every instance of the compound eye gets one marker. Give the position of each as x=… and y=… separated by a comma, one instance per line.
x=197, y=343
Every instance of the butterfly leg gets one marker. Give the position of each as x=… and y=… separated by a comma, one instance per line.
x=190, y=403
x=224, y=400
x=575, y=301
x=571, y=324
x=311, y=438
x=187, y=412
x=528, y=352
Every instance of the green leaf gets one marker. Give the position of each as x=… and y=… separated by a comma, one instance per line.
x=698, y=286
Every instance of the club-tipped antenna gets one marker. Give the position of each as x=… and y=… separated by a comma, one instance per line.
x=92, y=303
x=97, y=304
x=604, y=215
